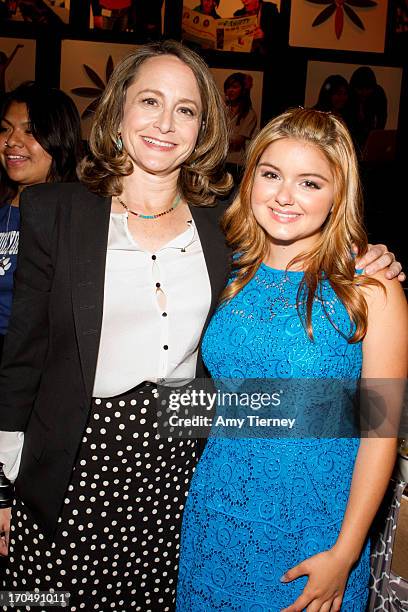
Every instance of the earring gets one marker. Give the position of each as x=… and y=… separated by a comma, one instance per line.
x=6, y=144
x=119, y=143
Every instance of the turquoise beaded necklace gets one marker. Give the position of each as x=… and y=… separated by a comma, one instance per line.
x=176, y=202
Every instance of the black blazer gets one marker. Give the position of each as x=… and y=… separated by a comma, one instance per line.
x=51, y=348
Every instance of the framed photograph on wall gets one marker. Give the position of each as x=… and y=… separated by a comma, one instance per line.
x=242, y=93
x=230, y=25
x=85, y=69
x=17, y=62
x=36, y=12
x=225, y=9
x=329, y=24
x=144, y=19
x=366, y=97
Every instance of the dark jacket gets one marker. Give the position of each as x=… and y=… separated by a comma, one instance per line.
x=51, y=348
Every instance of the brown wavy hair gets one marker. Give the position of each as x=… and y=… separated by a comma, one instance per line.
x=202, y=176
x=331, y=257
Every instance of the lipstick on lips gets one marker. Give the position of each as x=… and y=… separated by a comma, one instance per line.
x=284, y=217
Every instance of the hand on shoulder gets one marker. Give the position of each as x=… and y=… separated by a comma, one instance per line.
x=379, y=258
x=385, y=346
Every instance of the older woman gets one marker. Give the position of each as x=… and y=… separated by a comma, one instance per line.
x=116, y=281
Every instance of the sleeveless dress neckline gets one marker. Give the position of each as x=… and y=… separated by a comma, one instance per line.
x=259, y=506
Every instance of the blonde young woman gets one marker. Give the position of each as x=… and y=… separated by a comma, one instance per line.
x=280, y=524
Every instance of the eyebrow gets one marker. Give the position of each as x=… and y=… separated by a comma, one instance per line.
x=9, y=122
x=316, y=174
x=160, y=93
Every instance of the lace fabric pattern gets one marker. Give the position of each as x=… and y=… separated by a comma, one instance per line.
x=259, y=506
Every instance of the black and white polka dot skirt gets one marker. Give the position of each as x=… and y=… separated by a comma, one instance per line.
x=117, y=543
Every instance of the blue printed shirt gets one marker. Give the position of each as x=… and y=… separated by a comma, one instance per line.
x=9, y=237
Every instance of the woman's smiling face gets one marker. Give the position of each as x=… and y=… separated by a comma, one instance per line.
x=162, y=115
x=23, y=158
x=293, y=192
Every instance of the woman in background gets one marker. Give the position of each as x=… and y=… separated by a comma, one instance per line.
x=242, y=119
x=40, y=142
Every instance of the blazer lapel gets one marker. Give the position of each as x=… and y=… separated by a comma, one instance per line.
x=217, y=254
x=89, y=238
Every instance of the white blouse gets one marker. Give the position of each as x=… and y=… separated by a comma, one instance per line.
x=154, y=310
x=155, y=307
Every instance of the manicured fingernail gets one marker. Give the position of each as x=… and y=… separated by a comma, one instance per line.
x=283, y=578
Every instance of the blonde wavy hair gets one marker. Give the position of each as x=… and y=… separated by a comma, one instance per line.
x=331, y=257
x=202, y=176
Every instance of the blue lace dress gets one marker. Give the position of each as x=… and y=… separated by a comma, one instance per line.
x=259, y=506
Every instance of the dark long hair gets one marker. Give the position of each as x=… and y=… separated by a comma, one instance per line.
x=244, y=101
x=331, y=85
x=56, y=126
